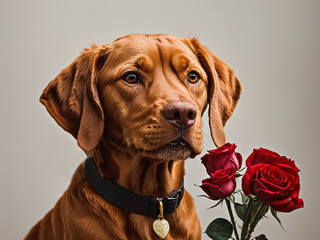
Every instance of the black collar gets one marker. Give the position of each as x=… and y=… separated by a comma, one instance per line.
x=123, y=198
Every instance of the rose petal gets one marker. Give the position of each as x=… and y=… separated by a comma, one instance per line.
x=256, y=157
x=216, y=162
x=239, y=157
x=287, y=205
x=221, y=184
x=267, y=195
x=263, y=155
x=270, y=186
x=223, y=148
x=247, y=178
x=218, y=188
x=289, y=169
x=269, y=152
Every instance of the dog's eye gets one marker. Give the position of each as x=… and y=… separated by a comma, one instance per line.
x=193, y=77
x=131, y=77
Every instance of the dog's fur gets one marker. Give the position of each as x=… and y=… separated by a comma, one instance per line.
x=123, y=126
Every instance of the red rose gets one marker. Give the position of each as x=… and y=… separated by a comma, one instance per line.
x=221, y=184
x=222, y=158
x=273, y=179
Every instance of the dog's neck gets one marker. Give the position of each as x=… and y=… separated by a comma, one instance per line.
x=139, y=174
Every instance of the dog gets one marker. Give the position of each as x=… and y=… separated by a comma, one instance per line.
x=135, y=107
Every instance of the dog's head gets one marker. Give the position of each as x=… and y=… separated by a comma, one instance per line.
x=144, y=92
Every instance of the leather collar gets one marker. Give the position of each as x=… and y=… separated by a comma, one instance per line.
x=125, y=199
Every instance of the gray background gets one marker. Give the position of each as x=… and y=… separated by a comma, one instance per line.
x=273, y=47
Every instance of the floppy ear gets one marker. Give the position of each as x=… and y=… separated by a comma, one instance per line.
x=224, y=90
x=72, y=98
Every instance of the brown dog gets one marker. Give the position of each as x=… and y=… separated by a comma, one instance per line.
x=135, y=105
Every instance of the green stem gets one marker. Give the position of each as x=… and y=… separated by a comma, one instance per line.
x=247, y=219
x=256, y=209
x=232, y=219
x=262, y=210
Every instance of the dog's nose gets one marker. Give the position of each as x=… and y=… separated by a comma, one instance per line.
x=180, y=114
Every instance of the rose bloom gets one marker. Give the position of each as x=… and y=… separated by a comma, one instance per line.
x=221, y=164
x=273, y=179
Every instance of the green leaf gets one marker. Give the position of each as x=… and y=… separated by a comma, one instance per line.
x=241, y=210
x=261, y=237
x=219, y=229
x=257, y=206
x=265, y=209
x=245, y=199
x=275, y=214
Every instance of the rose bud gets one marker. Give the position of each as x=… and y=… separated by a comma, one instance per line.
x=273, y=179
x=223, y=157
x=221, y=184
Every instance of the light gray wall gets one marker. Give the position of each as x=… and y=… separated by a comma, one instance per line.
x=273, y=47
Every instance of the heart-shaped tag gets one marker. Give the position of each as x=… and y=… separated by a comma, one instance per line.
x=161, y=227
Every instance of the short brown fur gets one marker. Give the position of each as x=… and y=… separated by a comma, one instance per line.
x=123, y=127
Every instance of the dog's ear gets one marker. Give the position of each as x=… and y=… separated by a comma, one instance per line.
x=224, y=90
x=72, y=98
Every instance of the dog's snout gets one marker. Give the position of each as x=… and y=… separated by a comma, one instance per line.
x=180, y=114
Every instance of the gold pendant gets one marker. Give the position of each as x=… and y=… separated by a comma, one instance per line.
x=161, y=226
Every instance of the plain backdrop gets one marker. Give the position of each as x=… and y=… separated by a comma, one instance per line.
x=273, y=47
